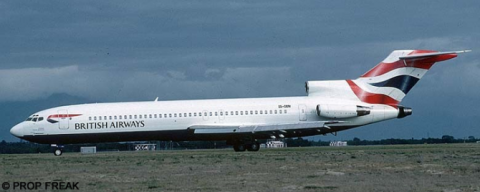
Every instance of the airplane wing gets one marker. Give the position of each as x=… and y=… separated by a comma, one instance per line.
x=261, y=128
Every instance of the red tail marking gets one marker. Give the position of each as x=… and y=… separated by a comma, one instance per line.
x=372, y=98
x=426, y=63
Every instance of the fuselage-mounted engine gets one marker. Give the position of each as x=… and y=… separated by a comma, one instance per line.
x=342, y=111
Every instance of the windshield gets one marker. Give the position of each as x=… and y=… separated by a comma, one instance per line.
x=34, y=118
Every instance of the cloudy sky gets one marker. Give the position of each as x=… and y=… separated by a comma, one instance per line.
x=109, y=51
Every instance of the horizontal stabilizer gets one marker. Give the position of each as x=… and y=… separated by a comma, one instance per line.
x=426, y=55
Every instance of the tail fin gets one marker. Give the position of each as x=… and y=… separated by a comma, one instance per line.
x=391, y=80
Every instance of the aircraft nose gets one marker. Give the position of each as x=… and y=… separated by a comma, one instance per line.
x=17, y=130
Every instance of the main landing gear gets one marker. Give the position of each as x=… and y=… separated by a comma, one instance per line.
x=57, y=149
x=250, y=146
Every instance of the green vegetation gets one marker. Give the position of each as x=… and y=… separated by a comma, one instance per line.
x=426, y=167
x=27, y=147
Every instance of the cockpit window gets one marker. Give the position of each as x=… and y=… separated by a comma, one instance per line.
x=34, y=118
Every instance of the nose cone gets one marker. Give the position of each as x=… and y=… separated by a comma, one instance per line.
x=17, y=130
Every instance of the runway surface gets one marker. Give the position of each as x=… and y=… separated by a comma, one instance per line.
x=428, y=167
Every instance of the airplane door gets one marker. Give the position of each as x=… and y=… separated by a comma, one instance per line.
x=302, y=112
x=63, y=119
x=205, y=115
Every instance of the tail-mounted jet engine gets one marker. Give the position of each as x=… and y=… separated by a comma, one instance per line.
x=342, y=111
x=404, y=111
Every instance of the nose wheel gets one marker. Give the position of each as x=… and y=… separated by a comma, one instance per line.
x=57, y=149
x=57, y=152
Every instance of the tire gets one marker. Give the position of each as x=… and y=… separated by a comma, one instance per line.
x=57, y=152
x=254, y=146
x=239, y=147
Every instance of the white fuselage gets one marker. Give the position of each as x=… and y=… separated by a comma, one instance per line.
x=139, y=120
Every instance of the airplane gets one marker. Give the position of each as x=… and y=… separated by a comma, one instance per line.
x=329, y=107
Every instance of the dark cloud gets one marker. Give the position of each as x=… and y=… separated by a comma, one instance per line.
x=198, y=49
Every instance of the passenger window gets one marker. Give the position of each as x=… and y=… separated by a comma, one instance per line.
x=125, y=117
x=145, y=116
x=236, y=112
x=104, y=117
x=221, y=113
x=194, y=114
x=210, y=113
x=189, y=114
x=119, y=117
x=216, y=113
x=226, y=113
x=185, y=114
x=155, y=116
x=261, y=112
x=170, y=115
x=266, y=112
x=179, y=115
x=115, y=117
x=281, y=111
x=150, y=116
x=174, y=115
x=140, y=116
x=130, y=116
x=256, y=112
x=205, y=114
x=89, y=118
x=231, y=112
x=135, y=116
x=95, y=118
x=275, y=111
x=100, y=118
x=110, y=117
x=200, y=114
x=271, y=112
x=241, y=112
x=285, y=111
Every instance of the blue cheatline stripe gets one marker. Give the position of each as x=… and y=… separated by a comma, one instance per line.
x=402, y=82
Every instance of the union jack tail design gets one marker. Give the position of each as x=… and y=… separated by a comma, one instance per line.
x=389, y=81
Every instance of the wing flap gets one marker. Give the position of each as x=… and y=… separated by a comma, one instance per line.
x=252, y=129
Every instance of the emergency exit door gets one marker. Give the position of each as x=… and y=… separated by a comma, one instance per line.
x=302, y=112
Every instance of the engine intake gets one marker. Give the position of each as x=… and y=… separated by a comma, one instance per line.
x=404, y=111
x=342, y=111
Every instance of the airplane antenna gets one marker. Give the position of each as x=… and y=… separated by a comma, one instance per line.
x=156, y=99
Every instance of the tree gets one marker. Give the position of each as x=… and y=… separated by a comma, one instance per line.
x=471, y=138
x=447, y=139
x=356, y=141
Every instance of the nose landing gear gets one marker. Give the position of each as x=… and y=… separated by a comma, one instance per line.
x=57, y=149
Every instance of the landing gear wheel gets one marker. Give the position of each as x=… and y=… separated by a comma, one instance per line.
x=254, y=146
x=239, y=147
x=57, y=152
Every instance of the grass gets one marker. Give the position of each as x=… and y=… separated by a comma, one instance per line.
x=446, y=167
